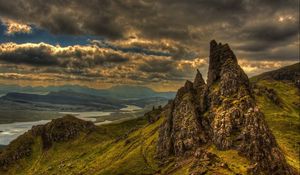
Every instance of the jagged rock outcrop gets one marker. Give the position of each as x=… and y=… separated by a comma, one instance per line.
x=222, y=113
x=270, y=93
x=61, y=129
x=182, y=131
x=58, y=130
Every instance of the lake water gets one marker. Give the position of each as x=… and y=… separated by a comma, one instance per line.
x=10, y=131
x=130, y=108
x=89, y=116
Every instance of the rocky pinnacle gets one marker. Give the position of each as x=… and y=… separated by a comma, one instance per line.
x=223, y=113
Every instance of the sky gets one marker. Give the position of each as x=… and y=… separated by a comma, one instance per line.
x=154, y=43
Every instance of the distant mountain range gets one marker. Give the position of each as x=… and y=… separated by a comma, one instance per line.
x=71, y=98
x=64, y=98
x=118, y=92
x=36, y=103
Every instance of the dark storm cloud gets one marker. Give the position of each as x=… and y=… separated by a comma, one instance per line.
x=272, y=33
x=191, y=22
x=73, y=57
x=66, y=17
x=38, y=56
x=261, y=37
x=153, y=18
x=132, y=48
x=160, y=66
x=61, y=23
x=151, y=48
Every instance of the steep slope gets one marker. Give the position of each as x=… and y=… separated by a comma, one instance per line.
x=279, y=99
x=216, y=128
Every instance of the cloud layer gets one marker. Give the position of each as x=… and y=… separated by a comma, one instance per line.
x=147, y=41
x=102, y=62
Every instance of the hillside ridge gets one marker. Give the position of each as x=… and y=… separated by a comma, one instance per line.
x=288, y=73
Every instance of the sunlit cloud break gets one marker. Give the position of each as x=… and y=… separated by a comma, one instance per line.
x=14, y=27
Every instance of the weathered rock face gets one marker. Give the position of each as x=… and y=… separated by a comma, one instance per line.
x=58, y=130
x=223, y=113
x=182, y=132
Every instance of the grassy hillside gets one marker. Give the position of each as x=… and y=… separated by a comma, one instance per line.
x=109, y=151
x=105, y=149
x=283, y=119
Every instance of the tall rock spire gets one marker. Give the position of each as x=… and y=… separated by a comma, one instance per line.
x=219, y=54
x=198, y=81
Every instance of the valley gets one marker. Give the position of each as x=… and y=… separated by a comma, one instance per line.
x=31, y=108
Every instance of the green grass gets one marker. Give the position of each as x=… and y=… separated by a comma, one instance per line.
x=236, y=163
x=112, y=149
x=283, y=121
